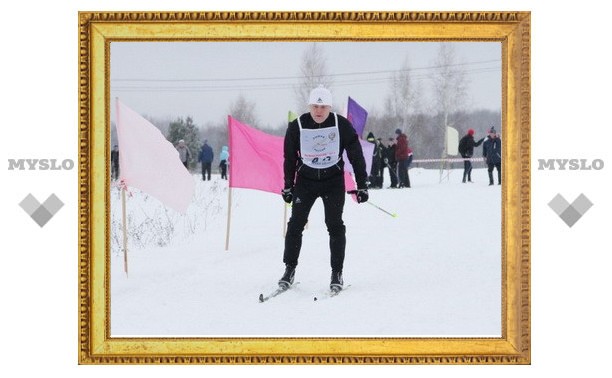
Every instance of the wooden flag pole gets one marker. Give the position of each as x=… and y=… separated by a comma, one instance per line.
x=124, y=217
x=229, y=217
x=123, y=210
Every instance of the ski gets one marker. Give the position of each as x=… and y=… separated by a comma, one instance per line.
x=280, y=290
x=331, y=293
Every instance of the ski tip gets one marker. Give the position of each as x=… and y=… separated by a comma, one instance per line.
x=394, y=215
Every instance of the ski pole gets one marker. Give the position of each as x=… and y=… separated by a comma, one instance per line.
x=391, y=170
x=394, y=215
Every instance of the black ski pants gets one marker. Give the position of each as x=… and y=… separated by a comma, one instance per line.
x=467, y=170
x=206, y=169
x=402, y=170
x=490, y=170
x=305, y=193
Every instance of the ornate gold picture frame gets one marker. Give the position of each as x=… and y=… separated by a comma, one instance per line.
x=98, y=29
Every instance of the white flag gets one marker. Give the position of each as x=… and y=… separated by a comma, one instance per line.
x=149, y=162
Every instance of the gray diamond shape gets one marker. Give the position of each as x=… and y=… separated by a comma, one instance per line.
x=29, y=204
x=558, y=204
x=41, y=213
x=582, y=204
x=41, y=216
x=570, y=216
x=570, y=213
x=53, y=204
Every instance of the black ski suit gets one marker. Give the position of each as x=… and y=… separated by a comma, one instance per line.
x=310, y=183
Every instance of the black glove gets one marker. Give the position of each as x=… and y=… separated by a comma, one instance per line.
x=287, y=194
x=361, y=194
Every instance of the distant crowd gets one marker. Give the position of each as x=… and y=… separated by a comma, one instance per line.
x=394, y=154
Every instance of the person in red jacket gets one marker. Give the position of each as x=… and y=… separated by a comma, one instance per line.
x=403, y=155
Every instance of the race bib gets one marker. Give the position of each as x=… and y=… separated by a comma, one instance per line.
x=320, y=148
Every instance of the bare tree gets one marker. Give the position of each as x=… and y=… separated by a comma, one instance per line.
x=402, y=101
x=244, y=111
x=313, y=71
x=450, y=88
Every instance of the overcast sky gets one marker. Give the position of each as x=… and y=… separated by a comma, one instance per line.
x=202, y=79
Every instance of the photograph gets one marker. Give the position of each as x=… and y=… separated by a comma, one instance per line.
x=210, y=141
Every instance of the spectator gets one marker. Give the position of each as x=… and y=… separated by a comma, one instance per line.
x=224, y=157
x=391, y=163
x=491, y=150
x=403, y=155
x=466, y=149
x=206, y=157
x=115, y=162
x=184, y=153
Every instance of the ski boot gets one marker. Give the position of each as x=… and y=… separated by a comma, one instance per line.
x=287, y=279
x=336, y=281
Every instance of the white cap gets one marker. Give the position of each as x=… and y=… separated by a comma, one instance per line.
x=320, y=96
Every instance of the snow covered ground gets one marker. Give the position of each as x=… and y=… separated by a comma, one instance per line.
x=432, y=271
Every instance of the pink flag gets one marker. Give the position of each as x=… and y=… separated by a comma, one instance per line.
x=349, y=180
x=257, y=158
x=349, y=184
x=149, y=162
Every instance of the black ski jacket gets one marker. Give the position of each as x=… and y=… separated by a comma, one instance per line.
x=349, y=142
x=467, y=144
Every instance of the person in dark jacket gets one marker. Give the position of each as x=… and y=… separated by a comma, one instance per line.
x=206, y=157
x=466, y=149
x=224, y=157
x=376, y=171
x=391, y=163
x=313, y=168
x=403, y=155
x=115, y=162
x=491, y=150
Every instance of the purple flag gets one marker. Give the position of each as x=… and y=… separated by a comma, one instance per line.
x=357, y=116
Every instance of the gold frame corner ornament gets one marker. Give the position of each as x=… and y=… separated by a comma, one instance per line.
x=98, y=29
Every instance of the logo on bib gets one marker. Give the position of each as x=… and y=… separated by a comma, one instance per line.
x=319, y=143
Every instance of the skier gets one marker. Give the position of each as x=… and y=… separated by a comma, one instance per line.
x=313, y=168
x=466, y=149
